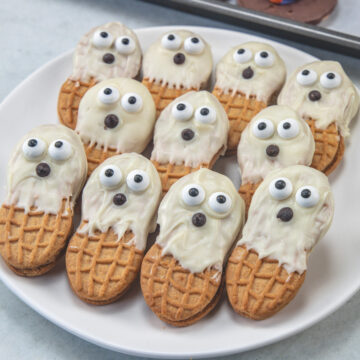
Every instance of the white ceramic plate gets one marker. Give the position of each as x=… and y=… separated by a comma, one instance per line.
x=128, y=325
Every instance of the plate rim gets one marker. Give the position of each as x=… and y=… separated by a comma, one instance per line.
x=55, y=319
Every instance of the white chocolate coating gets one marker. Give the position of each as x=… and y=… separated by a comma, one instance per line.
x=266, y=80
x=338, y=105
x=134, y=130
x=169, y=146
x=198, y=248
x=255, y=164
x=137, y=214
x=288, y=242
x=65, y=181
x=159, y=66
x=88, y=59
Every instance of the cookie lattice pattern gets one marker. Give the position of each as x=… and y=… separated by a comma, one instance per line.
x=70, y=95
x=101, y=266
x=247, y=192
x=163, y=95
x=95, y=156
x=240, y=110
x=173, y=293
x=33, y=239
x=329, y=147
x=258, y=288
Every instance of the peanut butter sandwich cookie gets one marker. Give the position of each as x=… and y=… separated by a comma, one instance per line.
x=190, y=133
x=119, y=206
x=326, y=98
x=290, y=212
x=248, y=78
x=178, y=62
x=107, y=51
x=115, y=116
x=181, y=274
x=46, y=173
x=275, y=138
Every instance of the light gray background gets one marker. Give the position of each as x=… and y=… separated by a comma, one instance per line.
x=34, y=32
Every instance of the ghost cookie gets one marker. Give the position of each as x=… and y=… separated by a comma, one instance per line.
x=326, y=98
x=275, y=138
x=46, y=173
x=178, y=62
x=115, y=116
x=248, y=78
x=190, y=133
x=181, y=274
x=107, y=51
x=119, y=206
x=290, y=212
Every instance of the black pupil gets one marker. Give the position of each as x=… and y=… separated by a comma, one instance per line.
x=181, y=107
x=264, y=54
x=287, y=126
x=221, y=199
x=193, y=192
x=241, y=51
x=125, y=41
x=330, y=76
x=171, y=37
x=59, y=144
x=262, y=126
x=132, y=100
x=305, y=72
x=204, y=111
x=109, y=172
x=32, y=142
x=104, y=34
x=194, y=40
x=138, y=178
x=280, y=184
x=107, y=91
x=306, y=193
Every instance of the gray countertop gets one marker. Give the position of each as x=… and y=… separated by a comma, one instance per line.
x=34, y=32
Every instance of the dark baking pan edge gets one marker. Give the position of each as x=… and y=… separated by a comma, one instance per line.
x=273, y=25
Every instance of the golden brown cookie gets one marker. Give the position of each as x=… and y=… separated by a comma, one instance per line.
x=100, y=267
x=259, y=288
x=174, y=294
x=247, y=191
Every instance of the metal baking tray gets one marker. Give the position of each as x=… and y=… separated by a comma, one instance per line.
x=283, y=28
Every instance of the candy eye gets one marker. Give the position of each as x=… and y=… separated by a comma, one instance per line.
x=138, y=180
x=288, y=128
x=171, y=42
x=264, y=58
x=330, y=80
x=182, y=111
x=263, y=128
x=131, y=102
x=205, y=115
x=194, y=45
x=280, y=188
x=220, y=202
x=306, y=77
x=33, y=148
x=110, y=176
x=125, y=45
x=108, y=95
x=242, y=55
x=193, y=194
x=307, y=196
x=60, y=150
x=102, y=39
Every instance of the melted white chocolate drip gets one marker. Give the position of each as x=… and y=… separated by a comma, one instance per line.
x=199, y=248
x=288, y=242
x=338, y=105
x=65, y=181
x=253, y=160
